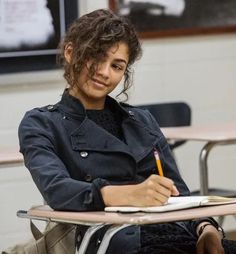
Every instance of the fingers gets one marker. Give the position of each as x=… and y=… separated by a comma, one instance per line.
x=166, y=183
x=166, y=192
x=174, y=191
x=169, y=184
x=155, y=199
x=154, y=191
x=159, y=189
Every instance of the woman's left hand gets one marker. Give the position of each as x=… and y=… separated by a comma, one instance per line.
x=210, y=241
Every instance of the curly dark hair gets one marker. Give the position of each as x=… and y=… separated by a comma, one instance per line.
x=91, y=36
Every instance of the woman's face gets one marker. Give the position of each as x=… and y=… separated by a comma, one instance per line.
x=92, y=91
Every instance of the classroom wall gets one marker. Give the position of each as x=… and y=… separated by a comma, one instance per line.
x=199, y=70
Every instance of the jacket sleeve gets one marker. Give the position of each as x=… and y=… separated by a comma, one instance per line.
x=60, y=191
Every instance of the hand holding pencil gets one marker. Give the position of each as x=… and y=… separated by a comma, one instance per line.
x=154, y=191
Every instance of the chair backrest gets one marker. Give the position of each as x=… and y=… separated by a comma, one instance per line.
x=170, y=114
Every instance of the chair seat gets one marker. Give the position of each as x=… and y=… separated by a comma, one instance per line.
x=217, y=192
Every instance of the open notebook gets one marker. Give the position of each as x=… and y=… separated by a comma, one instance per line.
x=176, y=203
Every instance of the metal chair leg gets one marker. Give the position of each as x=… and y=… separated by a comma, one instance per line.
x=86, y=239
x=107, y=237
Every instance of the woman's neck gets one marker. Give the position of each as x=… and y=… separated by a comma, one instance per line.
x=88, y=103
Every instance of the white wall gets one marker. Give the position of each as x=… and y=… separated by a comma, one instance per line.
x=199, y=70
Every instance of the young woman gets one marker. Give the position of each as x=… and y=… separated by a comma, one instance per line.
x=89, y=151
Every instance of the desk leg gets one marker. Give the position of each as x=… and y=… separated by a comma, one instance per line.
x=85, y=242
x=203, y=167
x=107, y=237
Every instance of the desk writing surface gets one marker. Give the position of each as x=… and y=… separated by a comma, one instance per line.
x=213, y=132
x=10, y=155
x=130, y=218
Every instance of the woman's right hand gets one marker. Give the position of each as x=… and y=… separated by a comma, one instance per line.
x=154, y=191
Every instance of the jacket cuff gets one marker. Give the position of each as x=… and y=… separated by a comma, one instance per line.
x=97, y=196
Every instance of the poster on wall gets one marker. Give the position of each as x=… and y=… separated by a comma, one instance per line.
x=30, y=32
x=161, y=18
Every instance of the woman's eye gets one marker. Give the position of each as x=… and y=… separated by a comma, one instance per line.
x=117, y=67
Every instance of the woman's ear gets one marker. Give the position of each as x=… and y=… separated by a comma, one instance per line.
x=68, y=52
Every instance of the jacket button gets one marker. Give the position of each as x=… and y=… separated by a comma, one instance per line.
x=131, y=113
x=88, y=178
x=84, y=154
x=50, y=107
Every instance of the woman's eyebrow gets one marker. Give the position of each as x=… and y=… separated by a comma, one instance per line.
x=120, y=60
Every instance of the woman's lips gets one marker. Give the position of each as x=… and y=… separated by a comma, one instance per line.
x=99, y=83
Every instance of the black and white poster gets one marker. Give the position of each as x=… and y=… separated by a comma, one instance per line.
x=30, y=32
x=158, y=18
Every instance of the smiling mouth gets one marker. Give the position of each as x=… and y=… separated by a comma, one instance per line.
x=99, y=83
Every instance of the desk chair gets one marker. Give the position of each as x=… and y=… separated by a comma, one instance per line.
x=175, y=114
x=170, y=114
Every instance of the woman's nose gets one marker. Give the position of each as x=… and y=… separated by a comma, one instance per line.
x=103, y=69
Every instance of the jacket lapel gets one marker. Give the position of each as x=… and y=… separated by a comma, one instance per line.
x=91, y=137
x=139, y=140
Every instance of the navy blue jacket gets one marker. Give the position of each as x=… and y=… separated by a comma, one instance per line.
x=70, y=157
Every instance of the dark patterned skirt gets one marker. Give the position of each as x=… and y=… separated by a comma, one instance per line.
x=173, y=238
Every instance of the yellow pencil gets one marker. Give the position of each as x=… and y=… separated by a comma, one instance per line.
x=158, y=162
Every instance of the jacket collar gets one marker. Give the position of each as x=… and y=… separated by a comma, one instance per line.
x=73, y=106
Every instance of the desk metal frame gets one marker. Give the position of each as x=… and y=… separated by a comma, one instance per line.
x=203, y=163
x=212, y=135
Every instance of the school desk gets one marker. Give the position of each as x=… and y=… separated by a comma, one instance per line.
x=10, y=156
x=213, y=135
x=118, y=221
